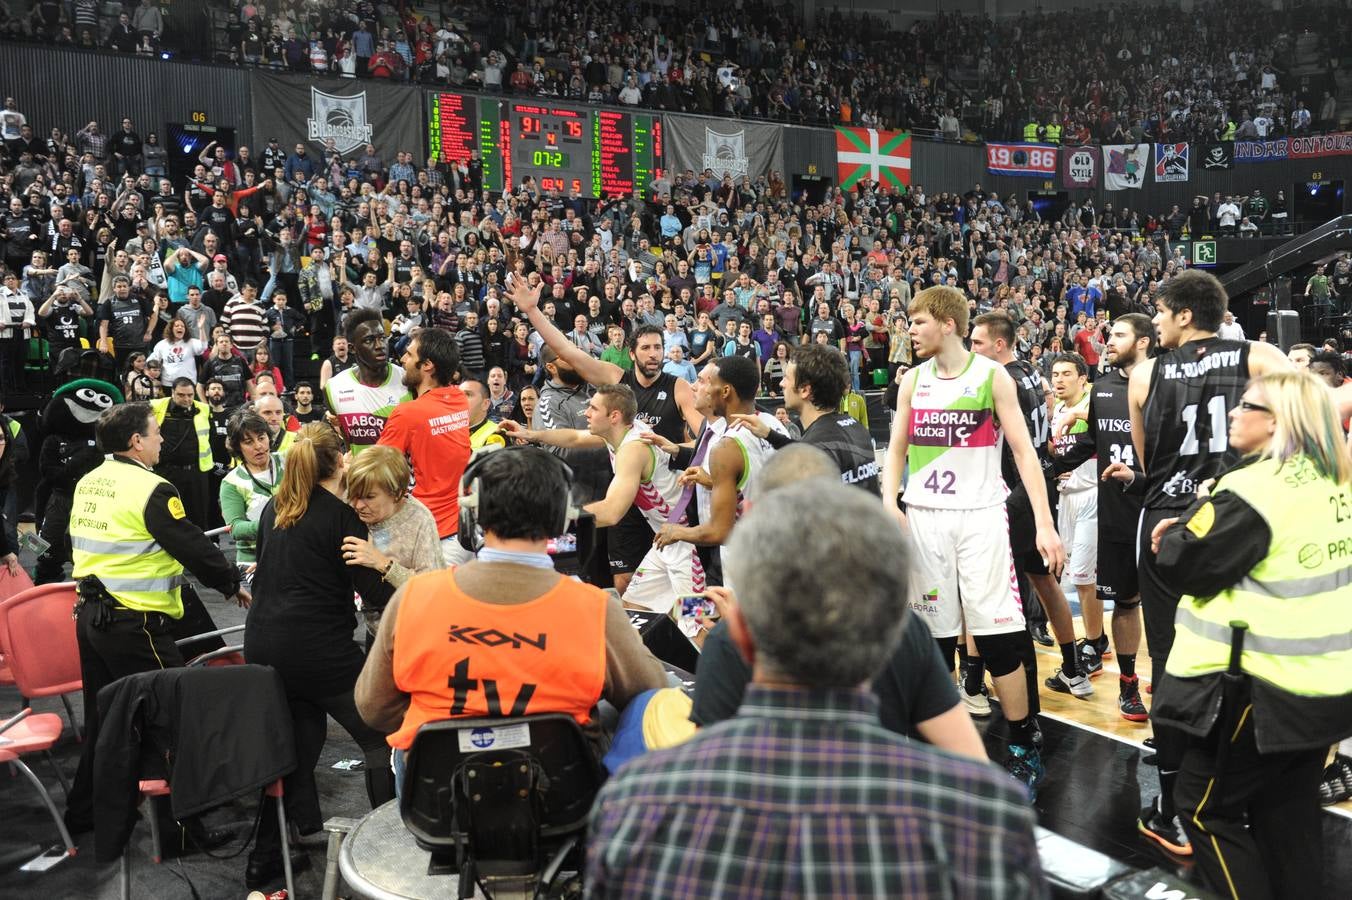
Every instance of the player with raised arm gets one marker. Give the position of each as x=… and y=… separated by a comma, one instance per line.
x=953, y=411
x=1179, y=405
x=666, y=404
x=643, y=481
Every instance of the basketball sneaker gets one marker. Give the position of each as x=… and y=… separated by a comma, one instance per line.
x=978, y=704
x=1168, y=833
x=1336, y=785
x=1091, y=661
x=1129, y=699
x=1024, y=765
x=1076, y=685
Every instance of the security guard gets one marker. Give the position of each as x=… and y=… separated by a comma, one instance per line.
x=1053, y=132
x=1270, y=547
x=1030, y=130
x=185, y=459
x=483, y=431
x=130, y=540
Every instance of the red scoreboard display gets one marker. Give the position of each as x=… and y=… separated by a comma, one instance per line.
x=598, y=153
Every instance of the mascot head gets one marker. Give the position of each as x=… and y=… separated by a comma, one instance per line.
x=75, y=407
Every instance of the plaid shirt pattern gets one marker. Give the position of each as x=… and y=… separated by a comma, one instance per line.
x=804, y=794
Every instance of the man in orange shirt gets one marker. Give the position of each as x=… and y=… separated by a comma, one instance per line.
x=433, y=432
x=572, y=645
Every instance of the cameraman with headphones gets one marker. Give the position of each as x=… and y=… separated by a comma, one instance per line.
x=439, y=647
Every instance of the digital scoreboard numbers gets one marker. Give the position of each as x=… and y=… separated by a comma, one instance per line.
x=598, y=153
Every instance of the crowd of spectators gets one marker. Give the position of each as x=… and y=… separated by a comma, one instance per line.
x=270, y=247
x=1121, y=73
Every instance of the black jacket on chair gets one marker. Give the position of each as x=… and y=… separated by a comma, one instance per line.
x=216, y=733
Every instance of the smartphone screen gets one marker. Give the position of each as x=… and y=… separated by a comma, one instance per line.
x=695, y=607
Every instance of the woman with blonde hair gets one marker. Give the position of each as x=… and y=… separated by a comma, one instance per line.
x=404, y=540
x=302, y=622
x=1264, y=546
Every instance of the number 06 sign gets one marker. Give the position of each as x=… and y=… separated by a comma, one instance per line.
x=1029, y=160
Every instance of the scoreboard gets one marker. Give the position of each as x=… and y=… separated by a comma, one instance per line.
x=598, y=153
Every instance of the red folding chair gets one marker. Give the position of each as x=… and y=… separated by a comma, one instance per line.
x=9, y=586
x=26, y=733
x=37, y=636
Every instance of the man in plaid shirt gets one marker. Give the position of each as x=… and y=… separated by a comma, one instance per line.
x=804, y=792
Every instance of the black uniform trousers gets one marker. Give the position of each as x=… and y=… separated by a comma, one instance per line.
x=132, y=642
x=1255, y=827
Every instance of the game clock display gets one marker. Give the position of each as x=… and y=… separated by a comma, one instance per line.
x=598, y=153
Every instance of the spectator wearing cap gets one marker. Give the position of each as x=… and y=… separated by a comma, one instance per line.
x=273, y=156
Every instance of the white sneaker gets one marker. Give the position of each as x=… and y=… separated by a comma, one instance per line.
x=978, y=704
x=1077, y=685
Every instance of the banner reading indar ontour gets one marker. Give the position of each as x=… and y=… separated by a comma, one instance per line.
x=339, y=112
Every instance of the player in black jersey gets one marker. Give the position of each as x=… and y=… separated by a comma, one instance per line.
x=993, y=337
x=665, y=403
x=1179, y=406
x=1121, y=489
x=815, y=379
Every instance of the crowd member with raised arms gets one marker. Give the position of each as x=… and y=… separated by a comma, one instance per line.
x=945, y=435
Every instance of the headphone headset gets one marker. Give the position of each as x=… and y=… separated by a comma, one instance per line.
x=470, y=535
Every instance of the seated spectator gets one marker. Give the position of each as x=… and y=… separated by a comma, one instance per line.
x=821, y=559
x=523, y=494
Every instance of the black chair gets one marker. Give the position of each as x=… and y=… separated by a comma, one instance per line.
x=501, y=801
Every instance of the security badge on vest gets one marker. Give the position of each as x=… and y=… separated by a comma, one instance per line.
x=109, y=539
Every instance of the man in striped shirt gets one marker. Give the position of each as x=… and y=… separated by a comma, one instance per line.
x=803, y=792
x=243, y=319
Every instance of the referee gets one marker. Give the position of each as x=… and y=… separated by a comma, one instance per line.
x=130, y=540
x=815, y=379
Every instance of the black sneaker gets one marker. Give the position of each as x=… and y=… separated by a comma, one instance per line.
x=1168, y=834
x=1091, y=662
x=266, y=869
x=1129, y=700
x=1039, y=632
x=1336, y=785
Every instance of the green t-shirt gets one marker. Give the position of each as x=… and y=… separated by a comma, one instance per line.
x=619, y=356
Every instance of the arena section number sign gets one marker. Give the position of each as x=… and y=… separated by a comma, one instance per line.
x=596, y=152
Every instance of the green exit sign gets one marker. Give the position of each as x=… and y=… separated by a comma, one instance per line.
x=1203, y=253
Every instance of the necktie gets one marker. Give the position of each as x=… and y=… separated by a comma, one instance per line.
x=701, y=450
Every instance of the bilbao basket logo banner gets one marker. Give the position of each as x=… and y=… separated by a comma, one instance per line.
x=725, y=148
x=881, y=157
x=1079, y=167
x=1027, y=160
x=338, y=119
x=338, y=113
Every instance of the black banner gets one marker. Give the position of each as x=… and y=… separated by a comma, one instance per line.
x=1218, y=156
x=339, y=112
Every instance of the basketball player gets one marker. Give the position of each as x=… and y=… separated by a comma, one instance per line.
x=952, y=411
x=1179, y=406
x=362, y=397
x=1077, y=511
x=666, y=404
x=1120, y=489
x=644, y=481
x=993, y=338
x=725, y=388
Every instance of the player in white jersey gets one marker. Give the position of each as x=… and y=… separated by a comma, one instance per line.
x=1077, y=513
x=953, y=411
x=725, y=387
x=644, y=480
x=361, y=398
